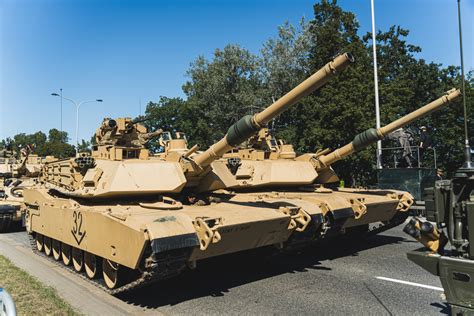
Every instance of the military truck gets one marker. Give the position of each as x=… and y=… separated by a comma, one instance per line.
x=126, y=218
x=447, y=234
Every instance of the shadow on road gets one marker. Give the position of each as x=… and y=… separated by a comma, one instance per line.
x=215, y=276
x=443, y=308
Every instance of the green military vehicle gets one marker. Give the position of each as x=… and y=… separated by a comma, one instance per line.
x=449, y=243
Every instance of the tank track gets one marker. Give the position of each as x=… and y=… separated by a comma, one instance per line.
x=169, y=266
x=398, y=219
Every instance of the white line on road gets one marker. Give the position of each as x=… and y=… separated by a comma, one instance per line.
x=411, y=283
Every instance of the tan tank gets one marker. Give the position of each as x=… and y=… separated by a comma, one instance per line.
x=270, y=169
x=126, y=218
x=15, y=176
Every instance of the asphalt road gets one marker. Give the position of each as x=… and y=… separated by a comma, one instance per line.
x=342, y=277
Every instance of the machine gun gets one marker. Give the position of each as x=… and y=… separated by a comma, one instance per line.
x=124, y=132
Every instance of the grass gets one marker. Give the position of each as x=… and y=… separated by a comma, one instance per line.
x=31, y=296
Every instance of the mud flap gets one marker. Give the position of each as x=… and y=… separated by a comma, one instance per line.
x=174, y=242
x=172, y=231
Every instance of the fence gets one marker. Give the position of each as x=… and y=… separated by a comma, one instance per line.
x=391, y=157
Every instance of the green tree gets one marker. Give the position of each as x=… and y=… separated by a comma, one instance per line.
x=330, y=117
x=235, y=82
x=221, y=91
x=284, y=64
x=55, y=144
x=84, y=147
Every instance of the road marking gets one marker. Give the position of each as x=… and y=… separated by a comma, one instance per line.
x=436, y=288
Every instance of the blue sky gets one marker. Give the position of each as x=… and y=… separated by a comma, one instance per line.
x=121, y=51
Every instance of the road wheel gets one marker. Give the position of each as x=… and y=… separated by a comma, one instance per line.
x=78, y=259
x=113, y=274
x=92, y=265
x=48, y=247
x=39, y=242
x=56, y=249
x=66, y=254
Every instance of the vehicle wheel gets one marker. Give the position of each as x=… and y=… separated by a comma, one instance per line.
x=5, y=223
x=48, y=247
x=56, y=249
x=112, y=274
x=66, y=254
x=39, y=242
x=78, y=259
x=92, y=265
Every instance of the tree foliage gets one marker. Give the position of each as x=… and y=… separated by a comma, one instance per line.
x=236, y=82
x=55, y=144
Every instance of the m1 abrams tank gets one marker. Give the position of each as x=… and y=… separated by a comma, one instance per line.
x=268, y=164
x=127, y=218
x=15, y=175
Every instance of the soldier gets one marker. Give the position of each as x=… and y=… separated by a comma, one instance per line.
x=425, y=142
x=404, y=139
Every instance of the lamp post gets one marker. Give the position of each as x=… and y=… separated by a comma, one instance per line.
x=61, y=115
x=467, y=148
x=376, y=85
x=78, y=106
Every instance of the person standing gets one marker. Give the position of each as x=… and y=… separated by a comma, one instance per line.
x=403, y=139
x=439, y=174
x=425, y=142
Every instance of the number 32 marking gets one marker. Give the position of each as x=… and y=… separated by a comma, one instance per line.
x=76, y=230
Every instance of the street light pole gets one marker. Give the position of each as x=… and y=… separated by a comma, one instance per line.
x=467, y=148
x=61, y=89
x=78, y=106
x=376, y=84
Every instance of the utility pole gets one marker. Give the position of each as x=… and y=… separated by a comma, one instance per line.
x=376, y=84
x=467, y=148
x=61, y=95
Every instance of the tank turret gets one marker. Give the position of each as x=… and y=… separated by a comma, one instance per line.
x=121, y=166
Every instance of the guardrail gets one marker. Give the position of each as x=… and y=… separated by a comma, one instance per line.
x=396, y=153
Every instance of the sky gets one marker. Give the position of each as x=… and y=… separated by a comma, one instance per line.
x=131, y=52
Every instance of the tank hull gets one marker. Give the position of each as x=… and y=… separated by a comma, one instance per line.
x=345, y=209
x=136, y=234
x=12, y=209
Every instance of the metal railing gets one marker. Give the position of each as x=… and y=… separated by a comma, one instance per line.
x=396, y=153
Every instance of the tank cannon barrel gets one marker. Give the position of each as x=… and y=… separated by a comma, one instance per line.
x=372, y=135
x=249, y=125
